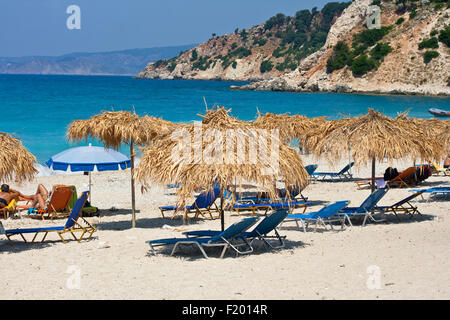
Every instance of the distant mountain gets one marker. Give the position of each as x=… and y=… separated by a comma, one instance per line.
x=125, y=62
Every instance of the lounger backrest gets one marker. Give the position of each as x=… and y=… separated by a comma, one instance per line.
x=372, y=200
x=76, y=210
x=73, y=199
x=404, y=174
x=270, y=222
x=206, y=199
x=332, y=209
x=235, y=229
x=403, y=201
x=346, y=168
x=59, y=199
x=311, y=168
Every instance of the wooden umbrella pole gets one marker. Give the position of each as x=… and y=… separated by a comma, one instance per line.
x=90, y=184
x=373, y=175
x=222, y=215
x=133, y=208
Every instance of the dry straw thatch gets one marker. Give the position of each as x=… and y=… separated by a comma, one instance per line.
x=289, y=126
x=432, y=128
x=16, y=163
x=116, y=127
x=372, y=136
x=157, y=166
x=445, y=137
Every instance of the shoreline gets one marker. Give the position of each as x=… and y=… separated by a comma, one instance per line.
x=356, y=92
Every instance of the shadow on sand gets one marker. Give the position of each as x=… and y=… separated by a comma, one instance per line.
x=192, y=253
x=18, y=245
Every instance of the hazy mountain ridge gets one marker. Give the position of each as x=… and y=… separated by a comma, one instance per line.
x=123, y=62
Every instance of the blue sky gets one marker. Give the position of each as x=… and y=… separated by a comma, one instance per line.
x=38, y=27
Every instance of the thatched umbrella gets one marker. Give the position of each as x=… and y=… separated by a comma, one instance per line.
x=15, y=160
x=289, y=126
x=219, y=162
x=372, y=137
x=446, y=138
x=433, y=128
x=116, y=127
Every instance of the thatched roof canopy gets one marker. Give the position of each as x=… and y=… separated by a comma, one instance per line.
x=116, y=127
x=431, y=127
x=372, y=136
x=113, y=128
x=15, y=160
x=444, y=135
x=219, y=163
x=290, y=126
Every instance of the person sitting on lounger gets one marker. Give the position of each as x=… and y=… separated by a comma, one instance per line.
x=37, y=200
x=390, y=173
x=6, y=195
x=282, y=193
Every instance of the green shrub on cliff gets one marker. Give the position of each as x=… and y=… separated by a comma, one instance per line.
x=362, y=65
x=444, y=36
x=399, y=21
x=381, y=50
x=277, y=20
x=194, y=55
x=265, y=66
x=172, y=66
x=430, y=55
x=259, y=41
x=202, y=63
x=368, y=38
x=431, y=43
x=340, y=57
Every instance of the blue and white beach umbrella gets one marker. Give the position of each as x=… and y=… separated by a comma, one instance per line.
x=89, y=159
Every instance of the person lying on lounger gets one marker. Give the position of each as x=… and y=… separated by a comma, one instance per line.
x=37, y=200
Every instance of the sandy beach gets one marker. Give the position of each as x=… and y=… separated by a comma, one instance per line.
x=411, y=258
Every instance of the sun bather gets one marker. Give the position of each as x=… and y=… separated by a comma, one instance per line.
x=37, y=200
x=6, y=195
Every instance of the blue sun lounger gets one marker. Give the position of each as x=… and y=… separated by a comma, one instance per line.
x=311, y=168
x=344, y=174
x=432, y=191
x=261, y=231
x=365, y=208
x=72, y=225
x=223, y=239
x=403, y=207
x=253, y=207
x=326, y=214
x=201, y=206
x=292, y=197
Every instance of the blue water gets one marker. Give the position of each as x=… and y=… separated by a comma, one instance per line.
x=37, y=109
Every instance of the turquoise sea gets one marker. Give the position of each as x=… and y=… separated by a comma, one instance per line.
x=38, y=108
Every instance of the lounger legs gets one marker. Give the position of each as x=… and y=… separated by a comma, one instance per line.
x=199, y=246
